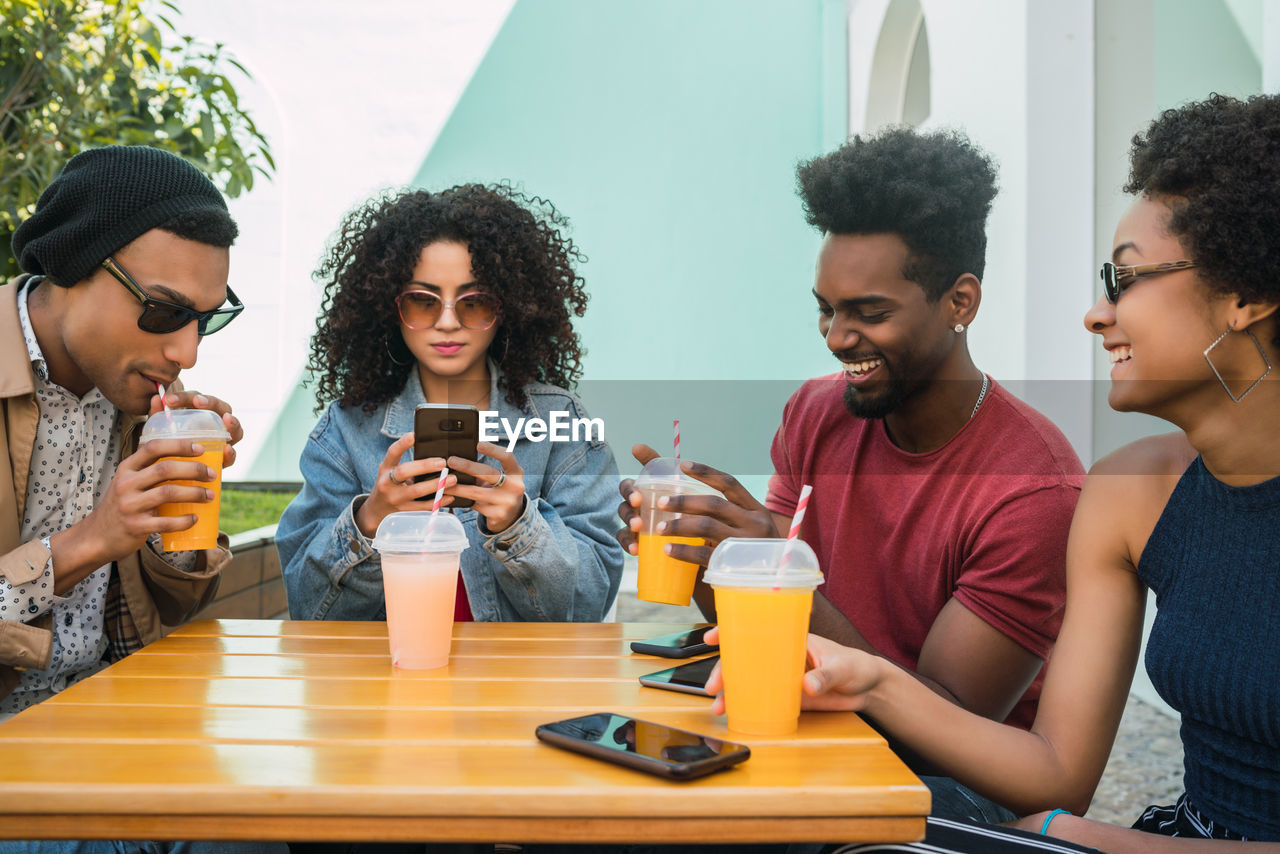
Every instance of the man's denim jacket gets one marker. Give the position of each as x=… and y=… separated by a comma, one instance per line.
x=558, y=561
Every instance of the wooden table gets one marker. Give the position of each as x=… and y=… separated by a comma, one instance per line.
x=259, y=729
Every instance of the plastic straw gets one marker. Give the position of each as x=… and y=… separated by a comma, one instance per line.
x=794, y=533
x=675, y=426
x=435, y=504
x=167, y=411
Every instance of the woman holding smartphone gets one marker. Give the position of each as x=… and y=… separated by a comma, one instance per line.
x=460, y=297
x=1190, y=323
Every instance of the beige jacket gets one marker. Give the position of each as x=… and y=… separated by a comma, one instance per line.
x=154, y=593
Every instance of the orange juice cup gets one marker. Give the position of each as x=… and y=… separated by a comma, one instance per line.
x=762, y=608
x=662, y=578
x=419, y=583
x=205, y=428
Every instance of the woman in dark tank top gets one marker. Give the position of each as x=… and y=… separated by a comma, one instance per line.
x=1189, y=320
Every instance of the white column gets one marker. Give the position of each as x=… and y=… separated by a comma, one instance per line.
x=1059, y=260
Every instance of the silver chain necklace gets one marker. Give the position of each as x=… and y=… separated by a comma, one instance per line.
x=986, y=381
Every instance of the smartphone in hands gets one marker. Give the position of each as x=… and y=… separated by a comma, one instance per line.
x=675, y=754
x=678, y=645
x=447, y=430
x=688, y=678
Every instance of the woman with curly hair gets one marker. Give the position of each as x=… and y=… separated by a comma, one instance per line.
x=463, y=297
x=1189, y=320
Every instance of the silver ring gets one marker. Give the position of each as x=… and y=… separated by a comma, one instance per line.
x=502, y=478
x=391, y=476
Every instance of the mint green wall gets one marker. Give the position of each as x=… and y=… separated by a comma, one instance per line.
x=1201, y=47
x=668, y=131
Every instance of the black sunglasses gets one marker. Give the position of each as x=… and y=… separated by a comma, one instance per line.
x=1115, y=279
x=161, y=316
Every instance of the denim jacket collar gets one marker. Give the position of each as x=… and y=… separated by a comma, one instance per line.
x=399, y=417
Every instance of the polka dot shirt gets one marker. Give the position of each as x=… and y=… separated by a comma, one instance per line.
x=77, y=449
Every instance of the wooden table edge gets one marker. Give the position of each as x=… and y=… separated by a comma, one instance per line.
x=303, y=828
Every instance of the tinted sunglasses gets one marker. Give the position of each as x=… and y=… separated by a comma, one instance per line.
x=161, y=316
x=422, y=309
x=1116, y=279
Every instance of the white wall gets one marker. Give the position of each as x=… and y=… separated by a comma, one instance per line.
x=1018, y=79
x=341, y=91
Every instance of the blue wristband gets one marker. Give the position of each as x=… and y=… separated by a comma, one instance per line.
x=1044, y=828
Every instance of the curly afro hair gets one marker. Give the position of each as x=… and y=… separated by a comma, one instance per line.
x=934, y=190
x=1218, y=163
x=517, y=251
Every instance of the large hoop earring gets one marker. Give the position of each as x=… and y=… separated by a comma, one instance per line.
x=392, y=355
x=1218, y=374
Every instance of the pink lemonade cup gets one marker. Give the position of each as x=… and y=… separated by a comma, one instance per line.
x=420, y=585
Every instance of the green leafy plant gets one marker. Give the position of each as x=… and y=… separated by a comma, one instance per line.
x=79, y=74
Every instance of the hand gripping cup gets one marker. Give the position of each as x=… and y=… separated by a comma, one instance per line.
x=662, y=577
x=205, y=428
x=762, y=608
x=419, y=585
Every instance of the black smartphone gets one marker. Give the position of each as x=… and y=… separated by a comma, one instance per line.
x=446, y=430
x=679, y=645
x=689, y=678
x=676, y=754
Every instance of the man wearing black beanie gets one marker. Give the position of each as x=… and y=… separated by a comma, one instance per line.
x=126, y=259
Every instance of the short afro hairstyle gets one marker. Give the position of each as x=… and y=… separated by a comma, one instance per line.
x=519, y=252
x=1217, y=163
x=934, y=190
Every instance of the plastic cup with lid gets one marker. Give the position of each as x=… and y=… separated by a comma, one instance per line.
x=420, y=560
x=764, y=596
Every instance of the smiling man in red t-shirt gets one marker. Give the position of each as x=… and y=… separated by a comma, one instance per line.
x=941, y=502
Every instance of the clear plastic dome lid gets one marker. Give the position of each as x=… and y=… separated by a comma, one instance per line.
x=193, y=424
x=411, y=532
x=748, y=562
x=664, y=475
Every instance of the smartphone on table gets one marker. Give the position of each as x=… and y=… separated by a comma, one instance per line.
x=446, y=430
x=688, y=678
x=678, y=645
x=676, y=754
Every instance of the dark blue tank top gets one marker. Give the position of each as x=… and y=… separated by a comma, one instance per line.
x=1213, y=561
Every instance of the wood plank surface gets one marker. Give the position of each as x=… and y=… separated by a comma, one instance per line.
x=235, y=729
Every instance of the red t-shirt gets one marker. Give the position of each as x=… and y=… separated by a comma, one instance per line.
x=983, y=519
x=461, y=604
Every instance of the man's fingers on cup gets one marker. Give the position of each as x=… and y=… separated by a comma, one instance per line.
x=689, y=554
x=695, y=526
x=703, y=505
x=176, y=469
x=175, y=493
x=643, y=453
x=727, y=484
x=627, y=488
x=149, y=452
x=628, y=541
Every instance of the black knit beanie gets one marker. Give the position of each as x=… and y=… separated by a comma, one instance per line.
x=102, y=200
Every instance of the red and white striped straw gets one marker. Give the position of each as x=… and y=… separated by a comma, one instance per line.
x=794, y=533
x=167, y=412
x=675, y=426
x=435, y=503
